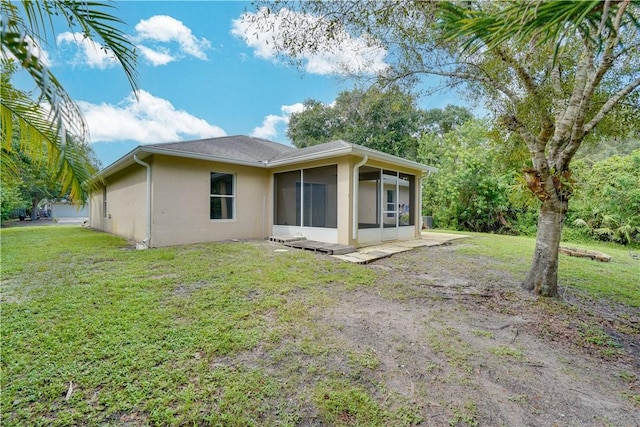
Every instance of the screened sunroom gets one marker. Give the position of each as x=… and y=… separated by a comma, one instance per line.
x=386, y=207
x=355, y=201
x=306, y=202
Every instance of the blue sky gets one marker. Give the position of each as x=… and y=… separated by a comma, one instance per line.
x=203, y=72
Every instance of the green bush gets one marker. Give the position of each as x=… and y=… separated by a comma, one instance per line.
x=480, y=188
x=606, y=205
x=10, y=199
x=466, y=193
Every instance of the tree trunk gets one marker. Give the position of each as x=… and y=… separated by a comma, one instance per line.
x=543, y=276
x=34, y=209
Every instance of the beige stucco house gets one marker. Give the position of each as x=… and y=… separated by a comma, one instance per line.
x=239, y=187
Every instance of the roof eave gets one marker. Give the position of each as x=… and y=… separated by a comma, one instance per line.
x=127, y=160
x=378, y=155
x=355, y=150
x=312, y=156
x=197, y=156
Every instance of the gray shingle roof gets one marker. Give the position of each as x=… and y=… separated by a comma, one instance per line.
x=314, y=149
x=238, y=147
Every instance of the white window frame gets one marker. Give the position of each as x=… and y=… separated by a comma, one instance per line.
x=222, y=196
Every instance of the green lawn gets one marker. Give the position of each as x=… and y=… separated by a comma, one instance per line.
x=136, y=333
x=617, y=280
x=96, y=333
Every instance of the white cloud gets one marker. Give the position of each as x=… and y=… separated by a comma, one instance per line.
x=163, y=28
x=294, y=108
x=151, y=38
x=271, y=123
x=339, y=54
x=268, y=129
x=155, y=57
x=90, y=53
x=147, y=120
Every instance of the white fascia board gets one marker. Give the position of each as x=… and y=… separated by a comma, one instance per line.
x=118, y=165
x=355, y=150
x=378, y=155
x=127, y=160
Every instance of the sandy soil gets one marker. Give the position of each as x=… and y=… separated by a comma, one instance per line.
x=463, y=343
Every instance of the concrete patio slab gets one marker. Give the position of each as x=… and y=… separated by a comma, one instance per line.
x=434, y=239
x=369, y=254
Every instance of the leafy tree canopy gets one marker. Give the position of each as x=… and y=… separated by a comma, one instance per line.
x=387, y=120
x=467, y=193
x=607, y=202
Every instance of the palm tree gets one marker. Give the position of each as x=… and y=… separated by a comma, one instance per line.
x=54, y=129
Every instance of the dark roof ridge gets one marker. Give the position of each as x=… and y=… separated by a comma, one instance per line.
x=217, y=138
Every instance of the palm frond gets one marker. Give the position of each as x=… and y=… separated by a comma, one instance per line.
x=15, y=41
x=55, y=133
x=39, y=141
x=522, y=21
x=581, y=223
x=93, y=20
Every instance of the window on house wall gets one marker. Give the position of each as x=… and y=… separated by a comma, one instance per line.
x=104, y=202
x=222, y=196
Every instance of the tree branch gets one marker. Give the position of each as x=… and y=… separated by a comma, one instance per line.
x=521, y=72
x=608, y=106
x=566, y=122
x=580, y=130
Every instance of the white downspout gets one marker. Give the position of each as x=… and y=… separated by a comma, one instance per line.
x=264, y=216
x=146, y=243
x=356, y=183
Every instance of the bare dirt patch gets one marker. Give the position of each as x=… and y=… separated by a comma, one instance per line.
x=457, y=338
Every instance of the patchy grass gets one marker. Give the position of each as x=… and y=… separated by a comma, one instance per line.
x=616, y=280
x=632, y=393
x=340, y=403
x=485, y=334
x=465, y=415
x=236, y=334
x=456, y=351
x=94, y=332
x=506, y=352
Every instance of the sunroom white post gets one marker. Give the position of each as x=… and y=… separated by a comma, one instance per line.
x=356, y=185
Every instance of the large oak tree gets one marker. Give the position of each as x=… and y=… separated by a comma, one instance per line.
x=549, y=71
